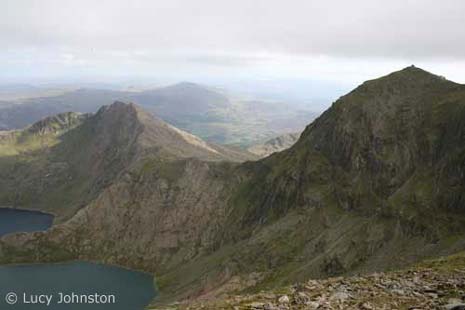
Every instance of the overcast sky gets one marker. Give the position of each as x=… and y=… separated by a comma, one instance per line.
x=341, y=41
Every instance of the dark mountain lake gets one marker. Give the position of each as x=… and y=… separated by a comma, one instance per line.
x=75, y=285
x=13, y=220
x=67, y=286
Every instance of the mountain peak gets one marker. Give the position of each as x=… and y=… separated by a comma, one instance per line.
x=413, y=68
x=416, y=71
x=412, y=75
x=186, y=84
x=410, y=82
x=124, y=112
x=154, y=135
x=398, y=114
x=117, y=106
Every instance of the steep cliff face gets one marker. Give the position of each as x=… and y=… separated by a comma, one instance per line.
x=376, y=182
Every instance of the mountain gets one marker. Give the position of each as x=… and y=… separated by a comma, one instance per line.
x=375, y=183
x=203, y=111
x=187, y=99
x=22, y=113
x=13, y=92
x=62, y=162
x=274, y=145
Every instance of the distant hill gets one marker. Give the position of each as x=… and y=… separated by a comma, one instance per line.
x=15, y=92
x=200, y=110
x=274, y=145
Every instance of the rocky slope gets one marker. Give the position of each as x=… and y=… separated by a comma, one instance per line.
x=376, y=182
x=436, y=284
x=274, y=145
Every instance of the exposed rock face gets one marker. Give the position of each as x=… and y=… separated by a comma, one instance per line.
x=274, y=145
x=376, y=182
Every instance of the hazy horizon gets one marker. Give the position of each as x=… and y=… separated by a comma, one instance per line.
x=310, y=94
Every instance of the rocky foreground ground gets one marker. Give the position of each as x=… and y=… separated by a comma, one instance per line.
x=437, y=284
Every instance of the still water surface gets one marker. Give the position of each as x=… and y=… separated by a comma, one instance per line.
x=58, y=283
x=13, y=220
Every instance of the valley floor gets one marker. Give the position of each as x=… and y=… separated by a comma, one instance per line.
x=435, y=284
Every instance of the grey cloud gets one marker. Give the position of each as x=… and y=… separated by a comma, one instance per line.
x=225, y=60
x=427, y=29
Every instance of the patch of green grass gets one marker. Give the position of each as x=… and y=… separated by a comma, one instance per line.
x=447, y=263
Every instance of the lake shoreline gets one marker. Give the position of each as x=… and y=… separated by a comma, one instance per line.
x=28, y=210
x=67, y=262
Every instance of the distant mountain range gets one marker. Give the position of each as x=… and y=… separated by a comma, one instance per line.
x=203, y=111
x=17, y=92
x=377, y=182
